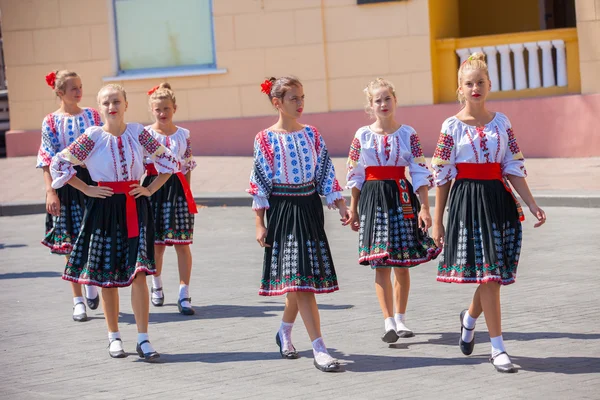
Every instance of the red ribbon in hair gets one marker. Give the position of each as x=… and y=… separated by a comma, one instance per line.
x=154, y=89
x=51, y=79
x=265, y=87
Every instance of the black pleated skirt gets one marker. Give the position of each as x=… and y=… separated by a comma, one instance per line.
x=62, y=230
x=103, y=255
x=299, y=259
x=483, y=234
x=386, y=237
x=173, y=223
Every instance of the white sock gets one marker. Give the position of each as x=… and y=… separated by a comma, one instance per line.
x=320, y=352
x=91, y=292
x=146, y=347
x=115, y=345
x=497, y=348
x=157, y=283
x=285, y=334
x=79, y=304
x=390, y=324
x=469, y=322
x=400, y=327
x=184, y=293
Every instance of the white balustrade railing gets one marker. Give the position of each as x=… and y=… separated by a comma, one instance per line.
x=513, y=74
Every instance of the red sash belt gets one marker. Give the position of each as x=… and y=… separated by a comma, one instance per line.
x=397, y=174
x=188, y=193
x=124, y=187
x=487, y=172
x=151, y=171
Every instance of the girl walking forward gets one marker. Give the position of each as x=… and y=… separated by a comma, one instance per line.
x=173, y=204
x=477, y=148
x=391, y=221
x=116, y=245
x=64, y=206
x=291, y=169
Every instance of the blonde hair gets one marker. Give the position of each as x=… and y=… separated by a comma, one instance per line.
x=162, y=92
x=279, y=86
x=371, y=87
x=474, y=62
x=61, y=78
x=114, y=86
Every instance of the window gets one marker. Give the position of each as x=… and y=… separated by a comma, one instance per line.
x=155, y=35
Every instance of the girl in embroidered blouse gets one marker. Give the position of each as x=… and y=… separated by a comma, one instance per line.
x=116, y=245
x=291, y=169
x=391, y=222
x=477, y=148
x=173, y=204
x=64, y=206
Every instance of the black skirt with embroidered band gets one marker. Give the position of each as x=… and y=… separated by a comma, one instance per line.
x=386, y=237
x=299, y=259
x=173, y=223
x=62, y=230
x=483, y=234
x=103, y=255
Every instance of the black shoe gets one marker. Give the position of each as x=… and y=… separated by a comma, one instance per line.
x=93, y=303
x=506, y=368
x=390, y=336
x=157, y=301
x=148, y=357
x=333, y=366
x=185, y=310
x=116, y=354
x=288, y=354
x=80, y=317
x=466, y=348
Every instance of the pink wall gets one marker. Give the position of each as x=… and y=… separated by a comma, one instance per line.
x=563, y=126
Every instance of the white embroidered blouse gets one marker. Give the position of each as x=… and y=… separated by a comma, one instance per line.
x=60, y=130
x=291, y=158
x=462, y=143
x=400, y=149
x=110, y=158
x=179, y=144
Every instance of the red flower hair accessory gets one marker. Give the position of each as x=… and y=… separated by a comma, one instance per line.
x=154, y=89
x=265, y=87
x=51, y=79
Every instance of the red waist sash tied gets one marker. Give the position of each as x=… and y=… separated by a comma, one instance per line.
x=151, y=170
x=188, y=193
x=124, y=187
x=189, y=197
x=487, y=172
x=398, y=175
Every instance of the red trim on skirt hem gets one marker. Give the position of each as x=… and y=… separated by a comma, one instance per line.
x=109, y=284
x=504, y=282
x=172, y=243
x=400, y=263
x=262, y=292
x=63, y=249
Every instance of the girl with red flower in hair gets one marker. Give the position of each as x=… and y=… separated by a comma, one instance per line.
x=64, y=206
x=291, y=169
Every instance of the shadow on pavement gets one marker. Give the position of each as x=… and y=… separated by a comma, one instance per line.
x=29, y=275
x=9, y=246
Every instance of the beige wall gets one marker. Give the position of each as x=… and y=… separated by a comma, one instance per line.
x=334, y=46
x=588, y=30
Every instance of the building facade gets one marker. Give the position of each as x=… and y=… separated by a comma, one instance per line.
x=544, y=58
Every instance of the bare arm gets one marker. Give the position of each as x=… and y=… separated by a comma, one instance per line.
x=52, y=200
x=441, y=198
x=424, y=215
x=261, y=230
x=521, y=186
x=188, y=177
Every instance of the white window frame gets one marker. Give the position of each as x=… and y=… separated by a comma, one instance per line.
x=149, y=73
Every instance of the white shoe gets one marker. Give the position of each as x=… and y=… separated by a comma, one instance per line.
x=403, y=331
